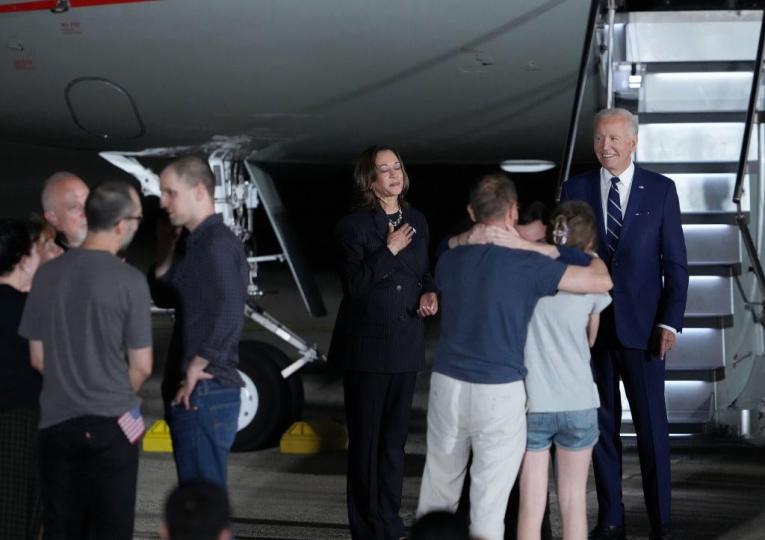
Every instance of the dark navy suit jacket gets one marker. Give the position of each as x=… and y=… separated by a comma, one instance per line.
x=649, y=268
x=377, y=328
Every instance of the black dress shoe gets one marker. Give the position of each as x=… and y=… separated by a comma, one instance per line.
x=611, y=532
x=662, y=533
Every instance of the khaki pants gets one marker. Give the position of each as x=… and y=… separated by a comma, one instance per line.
x=490, y=419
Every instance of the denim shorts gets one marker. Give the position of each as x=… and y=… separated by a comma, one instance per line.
x=570, y=430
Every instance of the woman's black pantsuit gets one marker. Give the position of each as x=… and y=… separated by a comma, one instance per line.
x=379, y=341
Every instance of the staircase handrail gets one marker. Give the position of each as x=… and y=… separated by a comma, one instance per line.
x=568, y=152
x=741, y=219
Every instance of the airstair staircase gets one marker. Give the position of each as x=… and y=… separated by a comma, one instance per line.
x=688, y=75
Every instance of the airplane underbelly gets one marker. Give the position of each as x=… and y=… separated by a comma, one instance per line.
x=293, y=80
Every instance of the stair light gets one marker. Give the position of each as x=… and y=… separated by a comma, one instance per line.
x=705, y=76
x=526, y=165
x=672, y=435
x=707, y=228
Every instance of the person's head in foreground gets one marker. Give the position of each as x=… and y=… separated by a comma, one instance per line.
x=197, y=510
x=439, y=525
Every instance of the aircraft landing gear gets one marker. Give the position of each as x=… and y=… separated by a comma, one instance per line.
x=270, y=403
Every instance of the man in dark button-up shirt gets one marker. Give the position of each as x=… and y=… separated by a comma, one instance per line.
x=208, y=274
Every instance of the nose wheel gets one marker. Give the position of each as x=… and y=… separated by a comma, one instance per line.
x=270, y=403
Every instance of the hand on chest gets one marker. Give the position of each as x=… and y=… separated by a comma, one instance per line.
x=412, y=259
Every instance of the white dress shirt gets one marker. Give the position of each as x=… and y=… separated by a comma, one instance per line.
x=625, y=185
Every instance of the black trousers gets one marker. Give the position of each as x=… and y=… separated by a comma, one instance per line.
x=377, y=409
x=20, y=510
x=88, y=472
x=643, y=376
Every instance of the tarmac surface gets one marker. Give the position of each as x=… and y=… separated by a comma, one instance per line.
x=718, y=486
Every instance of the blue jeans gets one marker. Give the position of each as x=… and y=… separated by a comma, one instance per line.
x=570, y=430
x=202, y=436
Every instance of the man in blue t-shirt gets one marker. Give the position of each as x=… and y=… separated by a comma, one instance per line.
x=477, y=398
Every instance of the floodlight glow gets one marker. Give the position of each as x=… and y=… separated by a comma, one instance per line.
x=526, y=165
x=703, y=76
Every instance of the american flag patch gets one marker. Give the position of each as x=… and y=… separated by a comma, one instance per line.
x=132, y=425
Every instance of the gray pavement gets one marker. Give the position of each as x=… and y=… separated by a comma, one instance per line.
x=718, y=488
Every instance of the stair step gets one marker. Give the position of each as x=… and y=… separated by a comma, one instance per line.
x=709, y=295
x=688, y=402
x=694, y=92
x=708, y=321
x=724, y=270
x=711, y=167
x=692, y=36
x=712, y=244
x=689, y=5
x=706, y=375
x=709, y=193
x=676, y=429
x=701, y=218
x=720, y=66
x=684, y=117
x=702, y=142
x=698, y=349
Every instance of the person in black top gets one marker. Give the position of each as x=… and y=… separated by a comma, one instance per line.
x=379, y=338
x=19, y=389
x=208, y=276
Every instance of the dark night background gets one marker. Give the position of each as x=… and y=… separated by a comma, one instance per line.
x=316, y=196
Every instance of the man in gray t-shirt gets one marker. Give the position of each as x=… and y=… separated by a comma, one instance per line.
x=88, y=322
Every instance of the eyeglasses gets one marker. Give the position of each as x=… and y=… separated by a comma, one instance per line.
x=387, y=169
x=138, y=219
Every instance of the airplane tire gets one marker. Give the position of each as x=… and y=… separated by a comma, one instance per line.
x=269, y=402
x=294, y=381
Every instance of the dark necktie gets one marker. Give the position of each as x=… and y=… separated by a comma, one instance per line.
x=613, y=217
